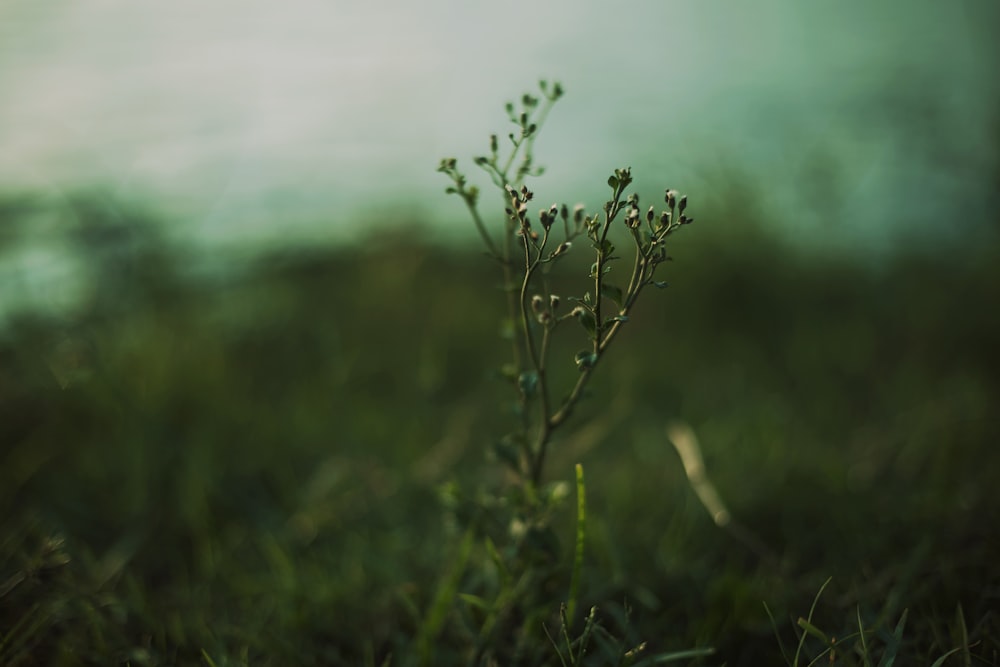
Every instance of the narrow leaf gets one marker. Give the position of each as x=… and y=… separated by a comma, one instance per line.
x=940, y=661
x=892, y=648
x=474, y=600
x=612, y=292
x=589, y=323
x=581, y=534
x=813, y=630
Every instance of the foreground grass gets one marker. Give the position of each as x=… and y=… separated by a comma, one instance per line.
x=246, y=470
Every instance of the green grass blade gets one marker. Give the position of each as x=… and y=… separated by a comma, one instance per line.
x=963, y=636
x=444, y=598
x=895, y=642
x=940, y=661
x=808, y=620
x=777, y=635
x=866, y=661
x=811, y=629
x=663, y=658
x=581, y=534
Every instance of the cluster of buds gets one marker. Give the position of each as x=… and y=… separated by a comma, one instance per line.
x=632, y=218
x=544, y=312
x=518, y=209
x=676, y=206
x=547, y=217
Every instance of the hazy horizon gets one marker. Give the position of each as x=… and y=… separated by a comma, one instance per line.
x=253, y=122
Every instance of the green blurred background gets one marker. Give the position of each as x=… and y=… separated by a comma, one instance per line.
x=245, y=337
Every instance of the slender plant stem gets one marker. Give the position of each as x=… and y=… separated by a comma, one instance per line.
x=481, y=226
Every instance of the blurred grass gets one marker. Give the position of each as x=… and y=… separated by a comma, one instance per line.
x=243, y=464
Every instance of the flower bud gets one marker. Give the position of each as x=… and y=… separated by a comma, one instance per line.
x=544, y=218
x=632, y=219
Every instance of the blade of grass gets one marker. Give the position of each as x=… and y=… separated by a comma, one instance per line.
x=581, y=534
x=808, y=620
x=895, y=642
x=940, y=661
x=443, y=600
x=777, y=635
x=864, y=644
x=811, y=629
x=663, y=658
x=963, y=636
x=555, y=645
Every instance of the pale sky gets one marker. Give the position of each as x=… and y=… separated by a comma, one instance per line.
x=253, y=119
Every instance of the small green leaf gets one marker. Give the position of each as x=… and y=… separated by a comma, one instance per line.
x=605, y=247
x=613, y=182
x=612, y=292
x=527, y=382
x=585, y=359
x=589, y=323
x=661, y=284
x=474, y=600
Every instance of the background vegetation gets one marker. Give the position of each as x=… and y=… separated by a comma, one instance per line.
x=244, y=464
